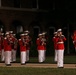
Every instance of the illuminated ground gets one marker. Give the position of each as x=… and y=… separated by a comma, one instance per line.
x=34, y=65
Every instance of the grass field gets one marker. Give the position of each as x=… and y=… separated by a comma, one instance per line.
x=40, y=71
x=36, y=71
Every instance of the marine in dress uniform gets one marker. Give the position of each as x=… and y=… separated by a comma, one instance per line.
x=7, y=49
x=2, y=51
x=22, y=44
x=55, y=46
x=26, y=32
x=60, y=47
x=0, y=42
x=28, y=40
x=44, y=39
x=41, y=48
x=15, y=44
x=12, y=39
x=28, y=43
x=74, y=39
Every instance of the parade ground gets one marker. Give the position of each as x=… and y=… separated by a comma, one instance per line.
x=38, y=65
x=37, y=69
x=69, y=62
x=49, y=67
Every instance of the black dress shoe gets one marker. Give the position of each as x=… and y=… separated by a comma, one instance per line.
x=22, y=63
x=8, y=64
x=60, y=67
x=40, y=62
x=14, y=62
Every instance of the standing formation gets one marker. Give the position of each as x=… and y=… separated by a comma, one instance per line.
x=9, y=44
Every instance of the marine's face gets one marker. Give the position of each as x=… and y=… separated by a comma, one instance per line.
x=11, y=35
x=43, y=36
x=8, y=36
x=59, y=33
x=27, y=37
x=22, y=37
x=55, y=34
x=40, y=37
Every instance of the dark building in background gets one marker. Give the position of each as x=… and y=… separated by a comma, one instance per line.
x=48, y=13
x=28, y=14
x=37, y=16
x=21, y=14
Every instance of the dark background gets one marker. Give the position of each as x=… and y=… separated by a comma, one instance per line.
x=59, y=14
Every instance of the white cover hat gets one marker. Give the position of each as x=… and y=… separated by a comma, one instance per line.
x=59, y=30
x=21, y=34
x=26, y=34
x=26, y=31
x=2, y=34
x=43, y=33
x=40, y=34
x=7, y=33
x=55, y=32
x=11, y=32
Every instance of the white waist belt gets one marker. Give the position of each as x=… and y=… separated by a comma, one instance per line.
x=60, y=42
